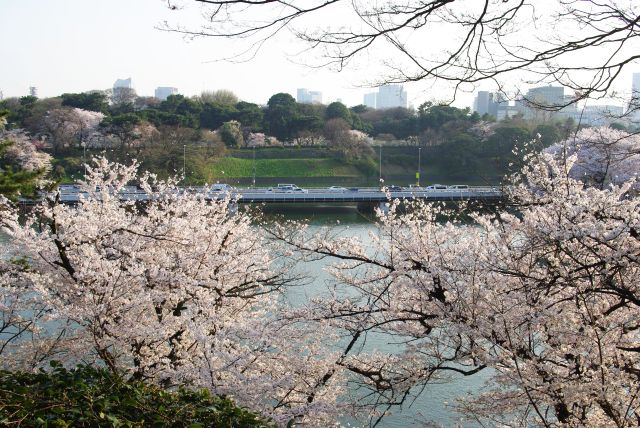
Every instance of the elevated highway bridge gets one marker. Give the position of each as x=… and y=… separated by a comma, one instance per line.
x=71, y=194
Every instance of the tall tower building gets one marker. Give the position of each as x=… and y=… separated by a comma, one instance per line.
x=370, y=100
x=315, y=97
x=482, y=103
x=123, y=83
x=163, y=92
x=305, y=96
x=390, y=96
x=635, y=84
x=302, y=96
x=634, y=104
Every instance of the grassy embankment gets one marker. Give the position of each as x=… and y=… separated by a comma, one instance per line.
x=311, y=166
x=232, y=167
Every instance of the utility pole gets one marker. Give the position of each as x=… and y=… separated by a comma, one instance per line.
x=84, y=157
x=254, y=165
x=380, y=162
x=184, y=163
x=419, y=171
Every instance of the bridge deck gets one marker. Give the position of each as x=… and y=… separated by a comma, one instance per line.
x=72, y=194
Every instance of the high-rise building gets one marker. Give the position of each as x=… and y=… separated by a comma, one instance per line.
x=302, y=95
x=543, y=102
x=123, y=92
x=305, y=96
x=33, y=91
x=123, y=83
x=163, y=92
x=390, y=96
x=316, y=97
x=546, y=96
x=494, y=104
x=635, y=83
x=633, y=109
x=370, y=99
x=483, y=102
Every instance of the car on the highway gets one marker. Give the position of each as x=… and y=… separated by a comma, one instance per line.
x=221, y=187
x=287, y=188
x=459, y=187
x=437, y=187
x=394, y=188
x=337, y=189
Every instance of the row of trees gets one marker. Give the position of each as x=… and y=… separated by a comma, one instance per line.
x=282, y=117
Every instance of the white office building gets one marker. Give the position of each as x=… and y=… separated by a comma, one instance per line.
x=305, y=96
x=370, y=99
x=391, y=96
x=163, y=92
x=123, y=83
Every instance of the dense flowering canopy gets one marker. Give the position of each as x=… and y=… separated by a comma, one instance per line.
x=177, y=291
x=603, y=155
x=544, y=296
x=23, y=153
x=547, y=300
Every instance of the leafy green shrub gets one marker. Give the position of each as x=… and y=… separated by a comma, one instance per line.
x=92, y=397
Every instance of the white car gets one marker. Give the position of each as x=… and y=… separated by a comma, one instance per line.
x=337, y=189
x=287, y=188
x=221, y=187
x=437, y=187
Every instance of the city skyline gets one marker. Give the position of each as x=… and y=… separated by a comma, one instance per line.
x=78, y=46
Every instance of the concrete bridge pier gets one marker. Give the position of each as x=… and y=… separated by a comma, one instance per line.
x=384, y=207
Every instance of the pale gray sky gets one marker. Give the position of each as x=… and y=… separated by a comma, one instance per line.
x=78, y=45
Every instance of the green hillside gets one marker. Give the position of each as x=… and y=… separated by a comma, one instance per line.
x=231, y=167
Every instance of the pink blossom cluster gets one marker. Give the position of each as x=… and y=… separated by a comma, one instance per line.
x=24, y=152
x=603, y=155
x=176, y=292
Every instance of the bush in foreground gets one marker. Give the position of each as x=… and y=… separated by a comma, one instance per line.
x=87, y=396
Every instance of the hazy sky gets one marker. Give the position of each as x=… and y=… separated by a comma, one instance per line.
x=78, y=45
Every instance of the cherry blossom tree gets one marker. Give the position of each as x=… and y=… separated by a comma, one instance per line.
x=23, y=167
x=546, y=300
x=543, y=297
x=23, y=153
x=176, y=291
x=70, y=126
x=3, y=119
x=604, y=155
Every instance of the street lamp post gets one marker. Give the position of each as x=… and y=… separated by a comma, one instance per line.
x=254, y=165
x=419, y=159
x=380, y=162
x=84, y=157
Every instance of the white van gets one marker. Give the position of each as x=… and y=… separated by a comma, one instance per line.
x=221, y=187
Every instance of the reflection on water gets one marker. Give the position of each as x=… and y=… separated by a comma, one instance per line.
x=319, y=215
x=431, y=403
